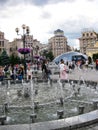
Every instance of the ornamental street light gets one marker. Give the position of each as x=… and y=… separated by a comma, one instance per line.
x=26, y=31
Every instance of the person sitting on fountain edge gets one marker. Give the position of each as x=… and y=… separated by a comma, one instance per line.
x=29, y=73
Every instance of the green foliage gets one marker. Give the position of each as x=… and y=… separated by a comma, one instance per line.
x=4, y=58
x=95, y=56
x=48, y=55
x=14, y=59
x=77, y=50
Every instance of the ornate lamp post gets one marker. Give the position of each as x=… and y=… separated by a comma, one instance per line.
x=26, y=31
x=32, y=55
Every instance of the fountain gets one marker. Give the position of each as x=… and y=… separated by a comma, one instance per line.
x=40, y=101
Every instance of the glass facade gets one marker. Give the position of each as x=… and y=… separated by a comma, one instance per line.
x=68, y=56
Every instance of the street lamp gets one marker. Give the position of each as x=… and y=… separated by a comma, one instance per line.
x=26, y=31
x=32, y=55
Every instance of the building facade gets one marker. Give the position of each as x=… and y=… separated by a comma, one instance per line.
x=14, y=46
x=4, y=43
x=87, y=40
x=92, y=50
x=31, y=43
x=58, y=43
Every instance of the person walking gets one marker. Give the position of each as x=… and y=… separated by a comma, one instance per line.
x=1, y=73
x=96, y=64
x=63, y=68
x=44, y=70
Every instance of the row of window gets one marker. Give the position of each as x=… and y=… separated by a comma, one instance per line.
x=87, y=34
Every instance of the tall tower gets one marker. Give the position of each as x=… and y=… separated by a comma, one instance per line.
x=58, y=43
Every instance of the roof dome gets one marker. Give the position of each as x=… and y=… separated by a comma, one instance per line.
x=59, y=32
x=68, y=56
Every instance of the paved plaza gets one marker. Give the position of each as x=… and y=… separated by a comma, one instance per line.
x=89, y=74
x=80, y=74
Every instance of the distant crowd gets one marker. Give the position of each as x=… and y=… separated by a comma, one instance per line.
x=17, y=72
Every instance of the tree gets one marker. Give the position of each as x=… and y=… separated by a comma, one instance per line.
x=4, y=58
x=48, y=55
x=14, y=59
x=77, y=50
x=95, y=56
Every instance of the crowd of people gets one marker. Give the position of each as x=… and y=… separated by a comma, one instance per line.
x=69, y=66
x=13, y=72
x=17, y=72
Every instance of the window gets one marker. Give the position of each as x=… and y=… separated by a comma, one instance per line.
x=87, y=34
x=83, y=35
x=2, y=43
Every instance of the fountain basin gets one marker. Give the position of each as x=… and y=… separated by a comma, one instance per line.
x=48, y=100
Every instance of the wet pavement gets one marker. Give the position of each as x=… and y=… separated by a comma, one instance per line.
x=76, y=74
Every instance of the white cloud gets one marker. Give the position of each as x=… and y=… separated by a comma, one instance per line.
x=74, y=43
x=71, y=17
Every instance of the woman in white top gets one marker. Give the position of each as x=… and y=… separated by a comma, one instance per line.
x=63, y=68
x=29, y=73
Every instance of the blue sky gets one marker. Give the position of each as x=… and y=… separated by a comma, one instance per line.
x=45, y=16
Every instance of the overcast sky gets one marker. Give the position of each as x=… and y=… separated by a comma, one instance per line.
x=45, y=16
